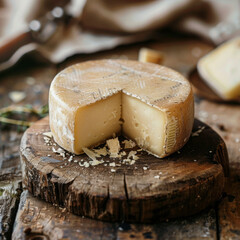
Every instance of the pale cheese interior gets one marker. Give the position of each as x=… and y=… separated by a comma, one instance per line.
x=136, y=120
x=144, y=124
x=97, y=122
x=221, y=70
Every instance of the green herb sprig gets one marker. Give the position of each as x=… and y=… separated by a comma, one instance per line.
x=21, y=116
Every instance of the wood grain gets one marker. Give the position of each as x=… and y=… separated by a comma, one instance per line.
x=10, y=191
x=17, y=79
x=193, y=175
x=37, y=219
x=224, y=118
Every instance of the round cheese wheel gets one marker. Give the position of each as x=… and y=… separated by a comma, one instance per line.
x=150, y=104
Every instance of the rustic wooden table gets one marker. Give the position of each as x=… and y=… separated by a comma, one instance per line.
x=24, y=217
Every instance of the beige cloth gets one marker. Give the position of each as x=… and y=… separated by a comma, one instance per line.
x=104, y=24
x=214, y=20
x=133, y=16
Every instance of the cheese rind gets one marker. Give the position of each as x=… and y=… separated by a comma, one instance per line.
x=148, y=103
x=220, y=69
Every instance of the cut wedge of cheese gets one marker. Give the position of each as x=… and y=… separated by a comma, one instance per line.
x=149, y=55
x=220, y=69
x=148, y=103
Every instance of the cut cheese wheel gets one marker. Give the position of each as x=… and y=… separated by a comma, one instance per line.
x=92, y=101
x=221, y=71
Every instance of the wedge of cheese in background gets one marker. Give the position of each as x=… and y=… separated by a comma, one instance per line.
x=220, y=69
x=150, y=104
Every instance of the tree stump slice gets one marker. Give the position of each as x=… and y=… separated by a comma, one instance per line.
x=176, y=186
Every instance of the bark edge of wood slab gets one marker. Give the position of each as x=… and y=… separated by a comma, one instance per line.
x=189, y=180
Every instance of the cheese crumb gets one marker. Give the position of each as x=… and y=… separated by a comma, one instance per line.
x=113, y=164
x=91, y=154
x=129, y=144
x=132, y=162
x=128, y=161
x=96, y=162
x=132, y=154
x=113, y=170
x=47, y=140
x=150, y=55
x=48, y=134
x=101, y=151
x=157, y=176
x=59, y=151
x=123, y=153
x=114, y=147
x=86, y=164
x=196, y=133
x=145, y=168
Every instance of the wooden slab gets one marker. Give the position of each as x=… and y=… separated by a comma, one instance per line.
x=39, y=220
x=188, y=182
x=224, y=119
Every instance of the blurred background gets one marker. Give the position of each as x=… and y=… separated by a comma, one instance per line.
x=55, y=34
x=40, y=38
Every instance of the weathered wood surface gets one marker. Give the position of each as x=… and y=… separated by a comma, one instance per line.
x=182, y=55
x=188, y=181
x=35, y=83
x=225, y=119
x=42, y=220
x=10, y=191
